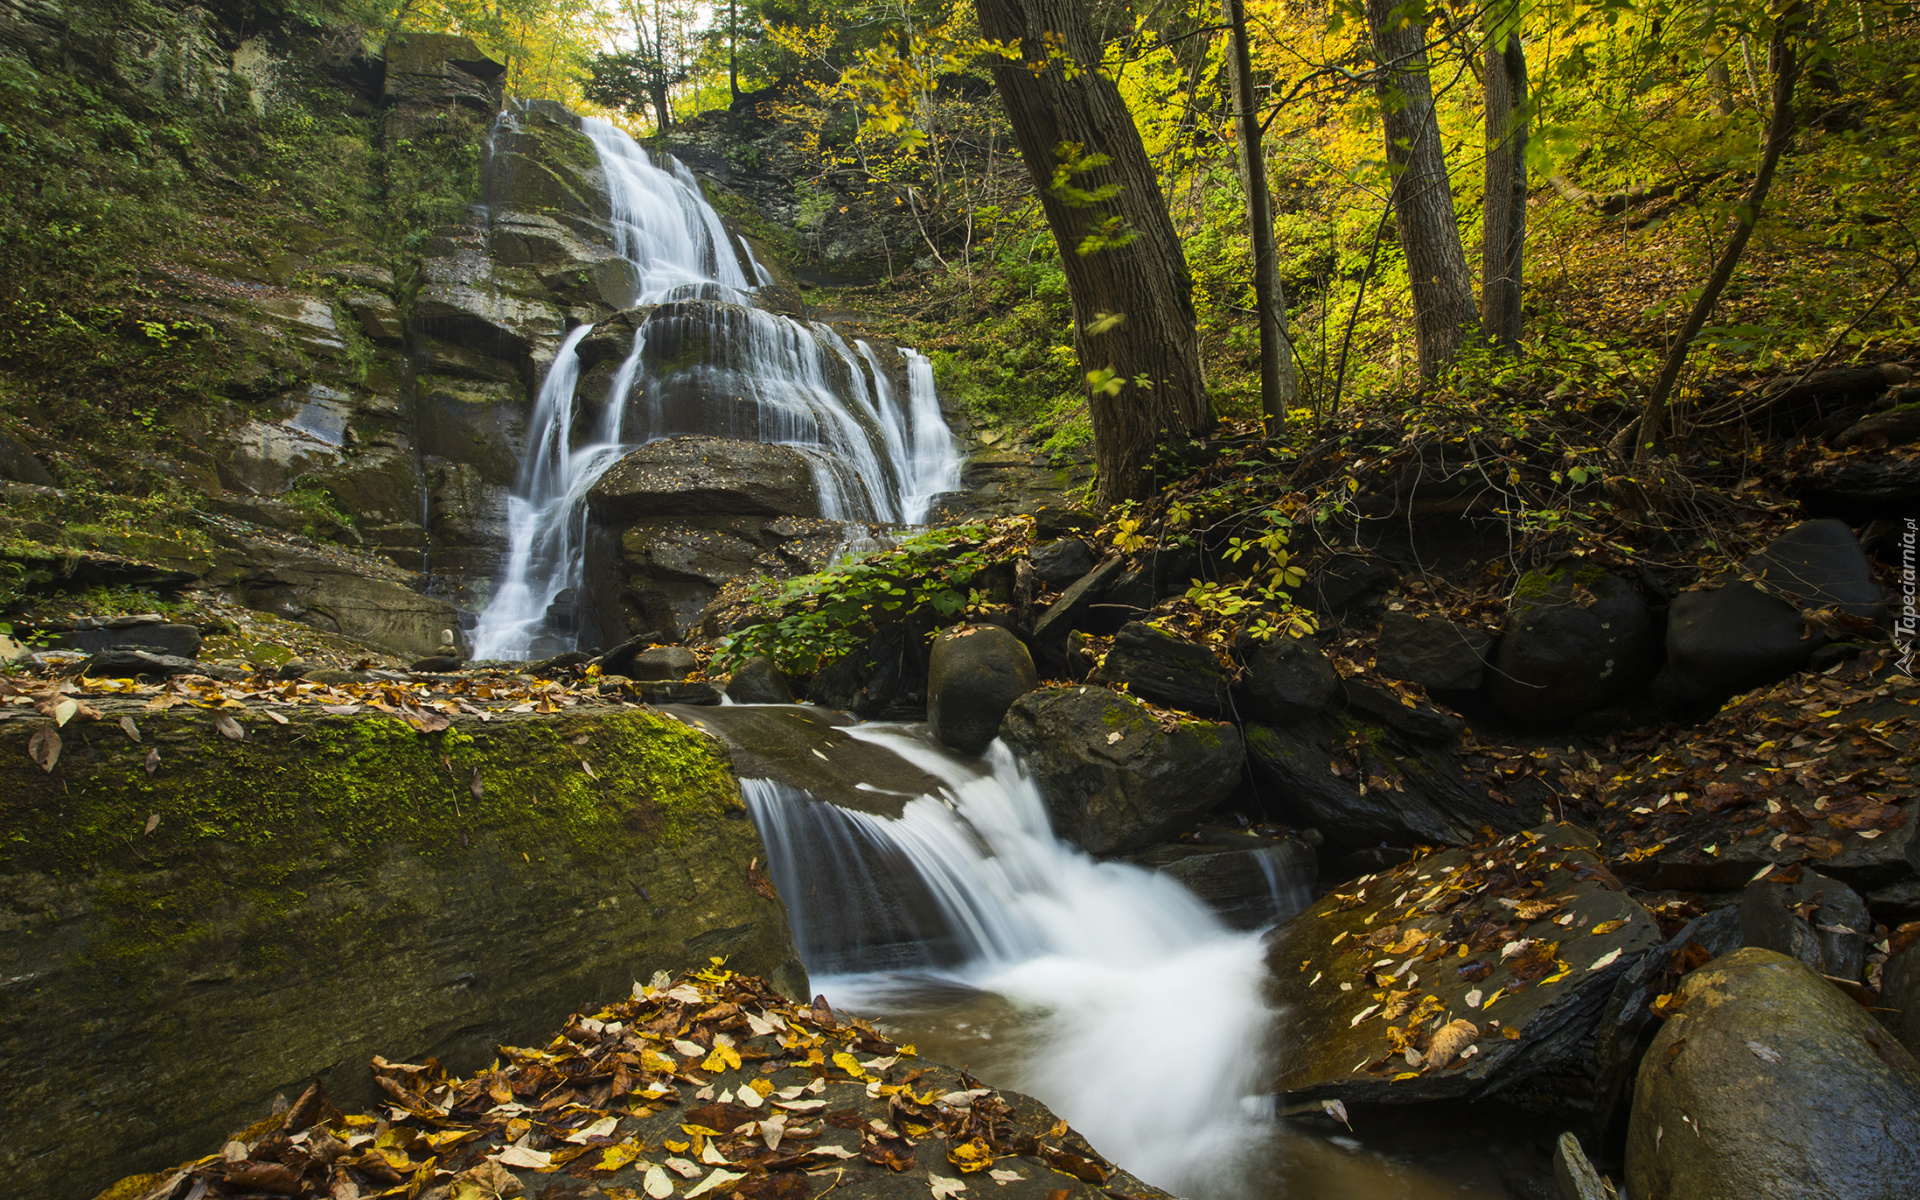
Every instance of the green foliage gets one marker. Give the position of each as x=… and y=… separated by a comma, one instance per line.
x=818, y=618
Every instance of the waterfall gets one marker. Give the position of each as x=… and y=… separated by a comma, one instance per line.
x=757, y=376
x=1120, y=1000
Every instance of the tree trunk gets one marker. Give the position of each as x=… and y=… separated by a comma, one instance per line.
x=1133, y=323
x=1422, y=197
x=663, y=119
x=1277, y=381
x=1746, y=216
x=733, y=53
x=1505, y=229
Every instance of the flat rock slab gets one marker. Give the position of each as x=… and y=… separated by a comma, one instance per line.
x=807, y=747
x=1815, y=769
x=1509, y=949
x=712, y=1084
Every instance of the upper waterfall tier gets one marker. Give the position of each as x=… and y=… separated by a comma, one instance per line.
x=693, y=354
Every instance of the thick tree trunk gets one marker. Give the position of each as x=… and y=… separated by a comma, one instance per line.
x=1422, y=197
x=1652, y=424
x=1133, y=323
x=1277, y=383
x=1506, y=192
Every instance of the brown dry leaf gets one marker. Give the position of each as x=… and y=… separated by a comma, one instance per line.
x=488, y=1181
x=229, y=727
x=129, y=728
x=153, y=760
x=153, y=822
x=1447, y=1044
x=44, y=747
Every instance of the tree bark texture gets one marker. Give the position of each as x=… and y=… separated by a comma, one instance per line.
x=1055, y=97
x=1746, y=215
x=1505, y=205
x=1443, y=309
x=1277, y=379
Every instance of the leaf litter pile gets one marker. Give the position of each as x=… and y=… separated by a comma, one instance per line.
x=711, y=1084
x=1419, y=981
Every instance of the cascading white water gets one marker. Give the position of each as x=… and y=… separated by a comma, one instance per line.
x=1141, y=1016
x=882, y=465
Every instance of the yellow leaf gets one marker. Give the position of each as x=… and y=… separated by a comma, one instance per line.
x=615, y=1157
x=851, y=1065
x=1606, y=927
x=722, y=1057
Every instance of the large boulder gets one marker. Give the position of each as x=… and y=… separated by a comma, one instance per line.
x=1287, y=679
x=1770, y=1082
x=759, y=681
x=256, y=913
x=1900, y=996
x=1160, y=667
x=1061, y=562
x=1576, y=637
x=661, y=663
x=1113, y=778
x=703, y=476
x=1361, y=784
x=1459, y=974
x=1820, y=921
x=1738, y=636
x=975, y=674
x=1432, y=652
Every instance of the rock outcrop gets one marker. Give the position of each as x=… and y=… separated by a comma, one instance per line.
x=1576, y=637
x=1113, y=778
x=200, y=922
x=1770, y=1082
x=975, y=674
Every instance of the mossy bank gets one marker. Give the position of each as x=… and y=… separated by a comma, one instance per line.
x=178, y=945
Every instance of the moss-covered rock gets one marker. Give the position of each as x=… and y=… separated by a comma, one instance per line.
x=332, y=888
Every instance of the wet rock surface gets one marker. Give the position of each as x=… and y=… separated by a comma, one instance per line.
x=1576, y=637
x=1768, y=1081
x=1157, y=666
x=1460, y=973
x=698, y=476
x=975, y=674
x=1432, y=652
x=759, y=681
x=806, y=747
x=1249, y=879
x=1116, y=777
x=732, y=1089
x=1287, y=679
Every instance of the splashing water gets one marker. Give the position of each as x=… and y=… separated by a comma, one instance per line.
x=1134, y=1012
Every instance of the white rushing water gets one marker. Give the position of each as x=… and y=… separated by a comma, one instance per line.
x=1139, y=1014
x=760, y=376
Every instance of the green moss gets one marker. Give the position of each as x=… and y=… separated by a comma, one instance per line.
x=1536, y=586
x=242, y=825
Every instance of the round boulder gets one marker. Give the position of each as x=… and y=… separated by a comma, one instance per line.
x=1113, y=779
x=1771, y=1082
x=974, y=674
x=663, y=663
x=758, y=681
x=1287, y=679
x=1576, y=638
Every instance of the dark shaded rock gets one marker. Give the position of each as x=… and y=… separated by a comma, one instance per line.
x=1287, y=679
x=1831, y=936
x=1862, y=483
x=565, y=661
x=677, y=691
x=1345, y=581
x=18, y=464
x=1335, y=1044
x=295, y=668
x=1771, y=1082
x=1112, y=778
x=1882, y=429
x=698, y=476
x=887, y=677
x=1737, y=636
x=1360, y=784
x=1899, y=1007
x=438, y=664
x=1432, y=652
x=1576, y=637
x=1070, y=612
x=758, y=681
x=975, y=674
x=138, y=664
x=619, y=660
x=665, y=574
x=1628, y=1023
x=1062, y=562
x=1420, y=719
x=1263, y=881
x=1061, y=522
x=334, y=675
x=806, y=747
x=156, y=637
x=662, y=663
x=1160, y=667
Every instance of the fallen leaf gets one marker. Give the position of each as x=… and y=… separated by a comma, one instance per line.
x=44, y=747
x=942, y=1187
x=129, y=728
x=64, y=710
x=1764, y=1053
x=1447, y=1044
x=682, y=1168
x=1003, y=1178
x=1606, y=927
x=488, y=1181
x=520, y=1156
x=713, y=1181
x=1337, y=1111
x=657, y=1184
x=1606, y=960
x=153, y=760
x=273, y=716
x=229, y=727
x=153, y=822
